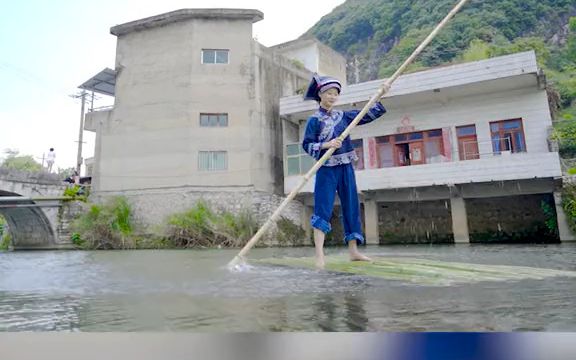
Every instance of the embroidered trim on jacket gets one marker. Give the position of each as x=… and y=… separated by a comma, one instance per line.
x=314, y=150
x=341, y=159
x=329, y=122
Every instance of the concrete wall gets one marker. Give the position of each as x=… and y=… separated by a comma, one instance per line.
x=415, y=222
x=307, y=54
x=152, y=207
x=275, y=76
x=509, y=218
x=506, y=219
x=315, y=56
x=153, y=137
x=331, y=63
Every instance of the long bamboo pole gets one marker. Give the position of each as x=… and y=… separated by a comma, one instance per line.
x=240, y=258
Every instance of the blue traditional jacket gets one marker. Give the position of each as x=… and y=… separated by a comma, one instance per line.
x=325, y=125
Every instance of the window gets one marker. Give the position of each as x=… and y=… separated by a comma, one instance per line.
x=507, y=135
x=467, y=142
x=214, y=56
x=359, y=150
x=415, y=136
x=385, y=152
x=212, y=160
x=433, y=149
x=414, y=148
x=214, y=120
x=297, y=161
x=293, y=159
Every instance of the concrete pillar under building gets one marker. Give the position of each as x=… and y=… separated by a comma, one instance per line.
x=564, y=231
x=305, y=220
x=459, y=220
x=371, y=222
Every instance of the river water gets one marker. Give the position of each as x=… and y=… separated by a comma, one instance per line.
x=191, y=290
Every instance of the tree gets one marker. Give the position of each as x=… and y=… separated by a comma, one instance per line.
x=65, y=172
x=478, y=50
x=571, y=42
x=20, y=162
x=525, y=44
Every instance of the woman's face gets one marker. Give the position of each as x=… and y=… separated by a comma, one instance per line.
x=328, y=98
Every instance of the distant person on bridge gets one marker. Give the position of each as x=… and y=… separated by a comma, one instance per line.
x=50, y=159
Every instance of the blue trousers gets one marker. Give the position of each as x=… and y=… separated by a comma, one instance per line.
x=329, y=181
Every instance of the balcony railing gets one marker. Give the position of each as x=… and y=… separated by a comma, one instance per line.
x=471, y=148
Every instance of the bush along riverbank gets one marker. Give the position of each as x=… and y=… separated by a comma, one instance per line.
x=111, y=225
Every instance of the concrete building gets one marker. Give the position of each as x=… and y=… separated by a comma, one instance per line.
x=314, y=56
x=195, y=115
x=462, y=155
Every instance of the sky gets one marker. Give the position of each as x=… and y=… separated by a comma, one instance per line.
x=49, y=48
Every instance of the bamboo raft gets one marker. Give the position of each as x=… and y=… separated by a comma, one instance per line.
x=422, y=271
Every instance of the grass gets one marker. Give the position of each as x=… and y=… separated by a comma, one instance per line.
x=105, y=226
x=200, y=226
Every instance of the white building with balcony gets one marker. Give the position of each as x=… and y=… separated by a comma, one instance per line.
x=462, y=155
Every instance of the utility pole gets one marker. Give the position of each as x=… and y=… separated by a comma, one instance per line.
x=80, y=133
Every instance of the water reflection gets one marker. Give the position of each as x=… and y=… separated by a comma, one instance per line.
x=356, y=315
x=342, y=312
x=190, y=291
x=39, y=312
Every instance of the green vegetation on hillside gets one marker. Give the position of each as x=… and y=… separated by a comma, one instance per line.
x=378, y=35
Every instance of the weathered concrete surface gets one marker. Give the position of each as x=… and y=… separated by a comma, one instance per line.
x=148, y=146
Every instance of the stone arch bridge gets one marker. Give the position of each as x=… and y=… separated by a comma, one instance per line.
x=36, y=218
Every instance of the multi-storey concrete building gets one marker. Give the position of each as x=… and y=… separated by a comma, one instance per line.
x=195, y=114
x=462, y=154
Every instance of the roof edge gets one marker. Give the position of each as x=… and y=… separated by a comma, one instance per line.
x=186, y=14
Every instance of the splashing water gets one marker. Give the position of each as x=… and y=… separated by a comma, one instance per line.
x=239, y=264
x=240, y=267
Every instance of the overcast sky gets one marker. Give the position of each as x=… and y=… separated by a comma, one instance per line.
x=49, y=48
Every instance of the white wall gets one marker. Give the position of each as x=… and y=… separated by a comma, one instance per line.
x=308, y=55
x=530, y=104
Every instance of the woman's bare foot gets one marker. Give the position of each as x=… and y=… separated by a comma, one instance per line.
x=320, y=262
x=359, y=257
x=355, y=254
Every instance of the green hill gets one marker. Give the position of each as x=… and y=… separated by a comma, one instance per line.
x=376, y=36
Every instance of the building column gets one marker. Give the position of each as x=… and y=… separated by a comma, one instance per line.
x=305, y=221
x=564, y=231
x=459, y=219
x=371, y=222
